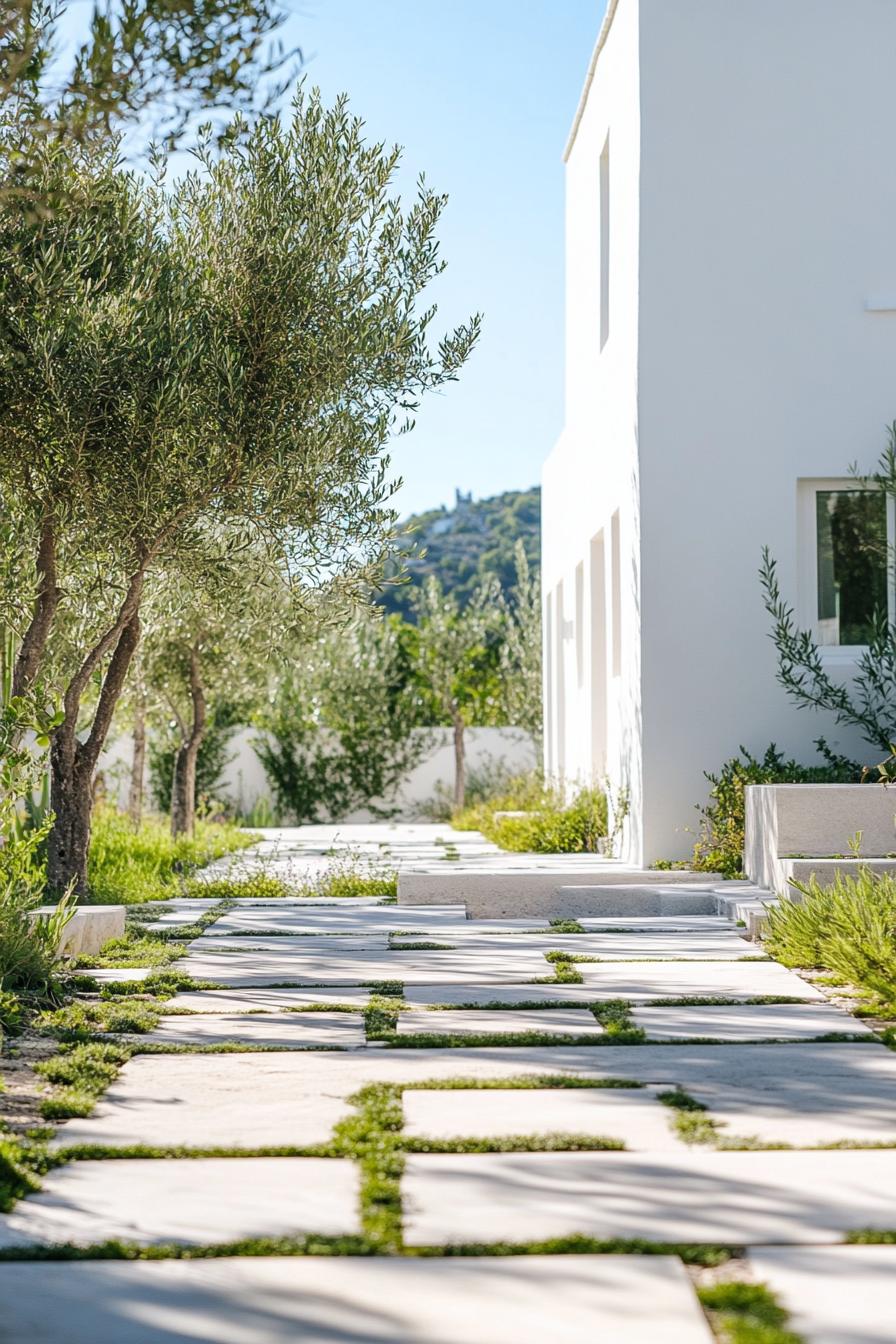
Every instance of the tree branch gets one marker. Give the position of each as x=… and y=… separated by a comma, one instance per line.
x=34, y=643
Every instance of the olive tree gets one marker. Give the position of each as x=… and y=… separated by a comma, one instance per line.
x=458, y=664
x=186, y=372
x=165, y=59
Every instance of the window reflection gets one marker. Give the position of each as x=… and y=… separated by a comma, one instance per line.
x=852, y=563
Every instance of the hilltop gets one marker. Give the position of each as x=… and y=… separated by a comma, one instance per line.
x=467, y=543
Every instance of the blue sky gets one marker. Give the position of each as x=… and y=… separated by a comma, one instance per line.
x=481, y=93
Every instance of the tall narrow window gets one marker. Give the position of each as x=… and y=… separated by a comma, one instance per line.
x=580, y=625
x=605, y=244
x=616, y=601
x=560, y=684
x=851, y=557
x=598, y=658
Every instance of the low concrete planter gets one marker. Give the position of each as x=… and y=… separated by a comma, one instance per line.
x=88, y=929
x=794, y=830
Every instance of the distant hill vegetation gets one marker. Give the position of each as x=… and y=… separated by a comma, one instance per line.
x=466, y=544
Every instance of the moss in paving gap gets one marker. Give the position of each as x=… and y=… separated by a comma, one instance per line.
x=81, y=1073
x=870, y=1236
x=565, y=972
x=747, y=1313
x=564, y=926
x=80, y=1020
x=705, y=1255
x=723, y=1001
x=419, y=1040
x=160, y=985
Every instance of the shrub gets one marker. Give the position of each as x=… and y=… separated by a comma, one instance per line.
x=127, y=866
x=720, y=846
x=30, y=963
x=550, y=826
x=848, y=928
x=256, y=887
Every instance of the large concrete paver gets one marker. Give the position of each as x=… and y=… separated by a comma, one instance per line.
x=198, y=1201
x=737, y=1199
x=836, y=1295
x=748, y=1022
x=630, y=980
x=539, y=1300
x=631, y=1116
x=210, y=1101
x=268, y=1000
x=333, y=919
x=288, y=1031
x=622, y=946
x=557, y=1022
x=275, y=966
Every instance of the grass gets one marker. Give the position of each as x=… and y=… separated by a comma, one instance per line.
x=257, y=887
x=549, y=826
x=126, y=867
x=747, y=1313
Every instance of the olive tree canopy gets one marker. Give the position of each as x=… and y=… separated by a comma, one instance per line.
x=187, y=372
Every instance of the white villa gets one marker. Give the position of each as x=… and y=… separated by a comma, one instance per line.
x=731, y=351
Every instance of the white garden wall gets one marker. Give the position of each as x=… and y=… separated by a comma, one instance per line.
x=244, y=782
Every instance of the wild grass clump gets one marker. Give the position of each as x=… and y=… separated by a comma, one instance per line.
x=127, y=866
x=81, y=1074
x=550, y=824
x=31, y=967
x=747, y=1313
x=254, y=887
x=848, y=928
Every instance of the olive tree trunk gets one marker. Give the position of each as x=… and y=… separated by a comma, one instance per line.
x=138, y=764
x=183, y=784
x=460, y=763
x=73, y=762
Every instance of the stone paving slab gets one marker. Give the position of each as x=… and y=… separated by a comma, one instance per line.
x=633, y=1116
x=262, y=967
x=540, y=1300
x=748, y=1022
x=287, y=1031
x=841, y=1295
x=335, y=919
x=647, y=980
x=803, y=1094
x=741, y=1199
x=196, y=1201
x=681, y=979
x=614, y=946
x=557, y=1022
x=283, y=944
x=209, y=1101
x=267, y=1000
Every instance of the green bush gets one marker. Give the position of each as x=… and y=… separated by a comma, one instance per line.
x=127, y=866
x=550, y=826
x=30, y=964
x=720, y=846
x=848, y=928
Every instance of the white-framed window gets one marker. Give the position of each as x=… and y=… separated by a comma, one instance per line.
x=847, y=534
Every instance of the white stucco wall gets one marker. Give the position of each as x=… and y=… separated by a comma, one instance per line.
x=592, y=473
x=245, y=783
x=756, y=179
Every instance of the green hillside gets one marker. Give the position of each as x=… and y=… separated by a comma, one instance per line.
x=463, y=545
